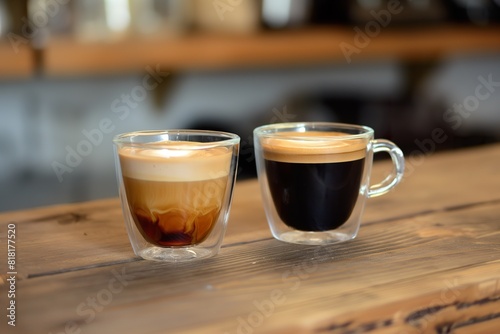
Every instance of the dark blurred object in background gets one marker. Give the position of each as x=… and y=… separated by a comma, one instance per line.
x=10, y=11
x=404, y=13
x=330, y=12
x=478, y=12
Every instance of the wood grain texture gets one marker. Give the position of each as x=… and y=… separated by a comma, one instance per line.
x=97, y=229
x=427, y=260
x=66, y=56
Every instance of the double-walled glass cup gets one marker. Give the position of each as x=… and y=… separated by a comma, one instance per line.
x=175, y=188
x=315, y=178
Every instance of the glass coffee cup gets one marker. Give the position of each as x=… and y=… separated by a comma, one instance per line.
x=175, y=188
x=315, y=178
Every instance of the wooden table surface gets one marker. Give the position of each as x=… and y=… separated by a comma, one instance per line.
x=427, y=259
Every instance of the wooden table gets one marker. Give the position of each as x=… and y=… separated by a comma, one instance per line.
x=427, y=259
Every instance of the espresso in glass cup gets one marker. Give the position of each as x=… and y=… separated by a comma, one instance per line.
x=314, y=178
x=176, y=187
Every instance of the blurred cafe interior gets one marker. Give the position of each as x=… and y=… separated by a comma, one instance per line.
x=74, y=73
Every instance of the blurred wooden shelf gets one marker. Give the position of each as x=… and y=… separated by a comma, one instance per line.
x=16, y=64
x=311, y=45
x=67, y=56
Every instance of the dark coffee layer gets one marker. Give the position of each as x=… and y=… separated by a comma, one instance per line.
x=314, y=177
x=314, y=196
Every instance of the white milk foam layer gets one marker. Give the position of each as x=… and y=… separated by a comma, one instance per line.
x=175, y=162
x=313, y=147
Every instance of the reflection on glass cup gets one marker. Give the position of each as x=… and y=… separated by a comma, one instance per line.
x=175, y=188
x=314, y=178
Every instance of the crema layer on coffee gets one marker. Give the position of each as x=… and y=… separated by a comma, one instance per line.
x=313, y=147
x=175, y=162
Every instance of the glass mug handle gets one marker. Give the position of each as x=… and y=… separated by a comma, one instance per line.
x=383, y=145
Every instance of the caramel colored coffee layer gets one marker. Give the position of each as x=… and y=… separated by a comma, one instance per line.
x=313, y=147
x=175, y=213
x=175, y=190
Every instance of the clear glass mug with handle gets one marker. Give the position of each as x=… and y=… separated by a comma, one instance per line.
x=315, y=178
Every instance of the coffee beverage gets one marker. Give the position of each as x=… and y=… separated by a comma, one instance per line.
x=314, y=177
x=175, y=193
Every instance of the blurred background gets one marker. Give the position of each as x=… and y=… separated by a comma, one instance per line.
x=74, y=73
